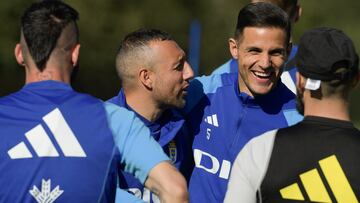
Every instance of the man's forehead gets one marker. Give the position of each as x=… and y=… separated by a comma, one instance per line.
x=263, y=38
x=251, y=30
x=166, y=47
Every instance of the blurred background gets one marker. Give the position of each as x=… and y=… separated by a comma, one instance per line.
x=201, y=27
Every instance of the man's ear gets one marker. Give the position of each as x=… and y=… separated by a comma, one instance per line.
x=75, y=55
x=300, y=82
x=233, y=47
x=298, y=13
x=19, y=55
x=355, y=81
x=145, y=77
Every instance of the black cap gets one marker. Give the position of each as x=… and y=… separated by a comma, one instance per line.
x=322, y=51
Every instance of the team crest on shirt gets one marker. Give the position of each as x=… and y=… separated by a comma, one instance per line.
x=45, y=195
x=172, y=151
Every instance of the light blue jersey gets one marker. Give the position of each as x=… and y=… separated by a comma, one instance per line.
x=57, y=145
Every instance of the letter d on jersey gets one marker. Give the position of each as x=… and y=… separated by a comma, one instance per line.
x=225, y=164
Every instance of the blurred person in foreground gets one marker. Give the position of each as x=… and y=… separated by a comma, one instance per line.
x=225, y=111
x=58, y=145
x=293, y=10
x=316, y=159
x=154, y=78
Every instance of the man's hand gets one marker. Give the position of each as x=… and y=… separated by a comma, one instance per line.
x=167, y=183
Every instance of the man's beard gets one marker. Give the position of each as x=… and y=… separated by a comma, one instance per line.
x=299, y=103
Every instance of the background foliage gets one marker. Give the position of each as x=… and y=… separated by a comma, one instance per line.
x=104, y=23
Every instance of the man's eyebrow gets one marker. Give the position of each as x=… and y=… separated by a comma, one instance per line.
x=180, y=59
x=278, y=50
x=253, y=48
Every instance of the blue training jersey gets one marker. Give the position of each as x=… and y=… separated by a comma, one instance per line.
x=171, y=133
x=57, y=145
x=223, y=120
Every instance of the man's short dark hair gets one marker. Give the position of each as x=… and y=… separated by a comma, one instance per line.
x=42, y=24
x=262, y=14
x=289, y=6
x=133, y=51
x=142, y=37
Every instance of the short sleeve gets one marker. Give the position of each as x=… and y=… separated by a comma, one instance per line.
x=138, y=150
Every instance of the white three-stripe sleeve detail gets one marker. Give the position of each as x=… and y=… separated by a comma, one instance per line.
x=288, y=81
x=249, y=169
x=215, y=121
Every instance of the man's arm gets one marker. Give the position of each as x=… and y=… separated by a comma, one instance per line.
x=167, y=183
x=124, y=196
x=143, y=157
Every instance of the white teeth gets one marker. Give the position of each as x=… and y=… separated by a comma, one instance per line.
x=261, y=74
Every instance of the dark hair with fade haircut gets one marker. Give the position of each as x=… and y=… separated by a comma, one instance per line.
x=263, y=14
x=142, y=37
x=132, y=50
x=42, y=25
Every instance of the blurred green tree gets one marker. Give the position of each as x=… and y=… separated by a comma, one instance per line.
x=104, y=23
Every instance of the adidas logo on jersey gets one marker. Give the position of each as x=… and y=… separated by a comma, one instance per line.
x=315, y=188
x=212, y=120
x=42, y=144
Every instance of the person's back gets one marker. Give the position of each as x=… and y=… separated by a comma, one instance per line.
x=58, y=145
x=50, y=135
x=323, y=146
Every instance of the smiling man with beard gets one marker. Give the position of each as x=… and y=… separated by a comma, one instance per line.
x=314, y=160
x=155, y=76
x=294, y=10
x=225, y=111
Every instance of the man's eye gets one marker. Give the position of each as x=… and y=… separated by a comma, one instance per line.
x=277, y=53
x=254, y=51
x=180, y=67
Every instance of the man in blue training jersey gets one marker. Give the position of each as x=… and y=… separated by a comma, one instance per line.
x=154, y=77
x=58, y=145
x=314, y=160
x=225, y=111
x=293, y=9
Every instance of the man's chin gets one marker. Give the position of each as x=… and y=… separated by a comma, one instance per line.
x=181, y=104
x=176, y=105
x=261, y=91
